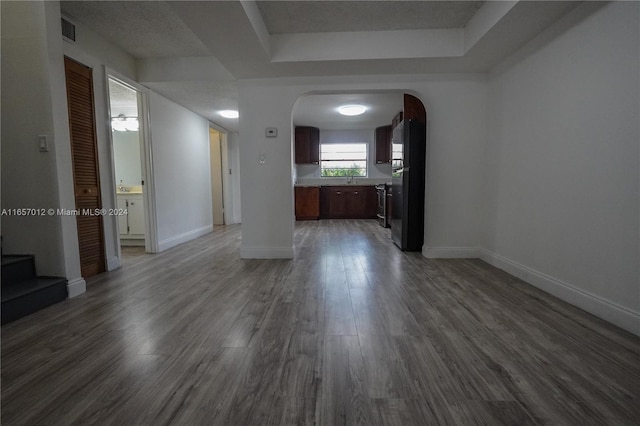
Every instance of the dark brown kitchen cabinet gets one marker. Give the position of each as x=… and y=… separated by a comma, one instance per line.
x=351, y=202
x=307, y=201
x=383, y=145
x=307, y=145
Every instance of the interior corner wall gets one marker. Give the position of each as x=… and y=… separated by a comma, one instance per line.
x=29, y=177
x=562, y=183
x=182, y=179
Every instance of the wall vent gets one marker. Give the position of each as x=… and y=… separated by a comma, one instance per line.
x=68, y=30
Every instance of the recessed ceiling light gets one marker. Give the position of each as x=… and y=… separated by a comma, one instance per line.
x=229, y=113
x=352, y=109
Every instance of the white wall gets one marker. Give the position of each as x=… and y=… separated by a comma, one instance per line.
x=456, y=136
x=182, y=178
x=28, y=176
x=562, y=206
x=234, y=204
x=376, y=173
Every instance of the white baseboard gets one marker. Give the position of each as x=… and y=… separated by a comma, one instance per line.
x=451, y=252
x=183, y=238
x=609, y=311
x=113, y=263
x=266, y=252
x=76, y=287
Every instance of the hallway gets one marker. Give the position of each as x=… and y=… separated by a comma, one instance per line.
x=351, y=331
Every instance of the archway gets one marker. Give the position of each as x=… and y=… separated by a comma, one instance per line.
x=321, y=135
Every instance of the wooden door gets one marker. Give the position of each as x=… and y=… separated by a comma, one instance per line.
x=86, y=180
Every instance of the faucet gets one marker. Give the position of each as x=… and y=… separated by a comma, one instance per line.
x=349, y=179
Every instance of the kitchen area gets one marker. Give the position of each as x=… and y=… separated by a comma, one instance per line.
x=345, y=163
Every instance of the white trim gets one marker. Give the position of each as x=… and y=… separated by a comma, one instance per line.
x=451, y=252
x=612, y=312
x=76, y=287
x=266, y=252
x=113, y=263
x=183, y=238
x=151, y=228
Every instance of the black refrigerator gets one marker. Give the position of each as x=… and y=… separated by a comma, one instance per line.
x=408, y=172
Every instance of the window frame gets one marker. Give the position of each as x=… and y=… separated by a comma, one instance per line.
x=365, y=160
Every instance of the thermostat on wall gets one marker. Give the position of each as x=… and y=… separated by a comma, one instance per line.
x=271, y=132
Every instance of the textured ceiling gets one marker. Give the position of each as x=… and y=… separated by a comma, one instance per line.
x=123, y=100
x=338, y=16
x=144, y=29
x=192, y=52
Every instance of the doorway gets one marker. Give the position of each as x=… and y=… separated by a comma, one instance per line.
x=127, y=137
x=217, y=184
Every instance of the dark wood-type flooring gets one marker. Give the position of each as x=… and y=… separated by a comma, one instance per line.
x=352, y=331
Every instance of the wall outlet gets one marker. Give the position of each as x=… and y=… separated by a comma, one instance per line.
x=271, y=132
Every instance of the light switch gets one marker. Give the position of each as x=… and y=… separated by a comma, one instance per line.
x=43, y=143
x=271, y=132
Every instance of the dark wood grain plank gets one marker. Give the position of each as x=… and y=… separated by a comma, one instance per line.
x=351, y=331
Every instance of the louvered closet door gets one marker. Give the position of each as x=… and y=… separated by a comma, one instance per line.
x=85, y=166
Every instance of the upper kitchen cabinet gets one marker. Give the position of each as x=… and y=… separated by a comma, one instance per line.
x=307, y=145
x=383, y=145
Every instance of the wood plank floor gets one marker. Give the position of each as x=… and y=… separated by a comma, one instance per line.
x=350, y=332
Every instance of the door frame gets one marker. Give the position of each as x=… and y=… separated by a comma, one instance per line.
x=226, y=190
x=148, y=192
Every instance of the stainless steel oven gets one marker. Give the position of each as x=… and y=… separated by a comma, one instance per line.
x=382, y=205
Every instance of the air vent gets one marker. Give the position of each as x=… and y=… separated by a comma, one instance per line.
x=68, y=30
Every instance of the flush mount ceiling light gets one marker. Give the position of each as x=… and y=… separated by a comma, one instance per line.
x=229, y=113
x=352, y=109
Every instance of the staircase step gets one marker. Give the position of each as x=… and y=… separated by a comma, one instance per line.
x=16, y=268
x=30, y=296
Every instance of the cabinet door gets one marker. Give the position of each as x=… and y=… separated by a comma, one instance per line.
x=302, y=145
x=383, y=145
x=307, y=145
x=338, y=203
x=325, y=202
x=122, y=219
x=372, y=202
x=136, y=216
x=307, y=202
x=357, y=203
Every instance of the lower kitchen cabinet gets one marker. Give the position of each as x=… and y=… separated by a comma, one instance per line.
x=307, y=201
x=350, y=202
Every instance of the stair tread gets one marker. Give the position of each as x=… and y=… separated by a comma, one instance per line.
x=25, y=287
x=8, y=259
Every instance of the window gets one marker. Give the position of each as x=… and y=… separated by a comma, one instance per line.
x=343, y=159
